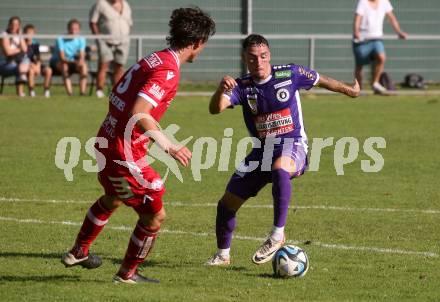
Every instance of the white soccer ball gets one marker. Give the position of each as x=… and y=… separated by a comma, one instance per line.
x=290, y=261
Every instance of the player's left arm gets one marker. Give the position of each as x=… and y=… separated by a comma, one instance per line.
x=82, y=51
x=396, y=26
x=357, y=27
x=338, y=86
x=142, y=110
x=23, y=46
x=219, y=101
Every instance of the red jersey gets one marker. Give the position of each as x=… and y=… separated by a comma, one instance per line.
x=155, y=78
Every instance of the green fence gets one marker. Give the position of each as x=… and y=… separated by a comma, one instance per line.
x=330, y=56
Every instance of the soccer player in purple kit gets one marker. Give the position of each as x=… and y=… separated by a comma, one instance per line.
x=269, y=96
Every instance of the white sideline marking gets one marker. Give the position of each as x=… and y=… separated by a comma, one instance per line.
x=183, y=204
x=316, y=207
x=5, y=199
x=204, y=234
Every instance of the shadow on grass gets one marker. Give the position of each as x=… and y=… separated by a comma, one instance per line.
x=31, y=255
x=263, y=275
x=53, y=278
x=118, y=261
x=48, y=256
x=237, y=268
x=176, y=265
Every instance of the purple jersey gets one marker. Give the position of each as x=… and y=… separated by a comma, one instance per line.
x=273, y=107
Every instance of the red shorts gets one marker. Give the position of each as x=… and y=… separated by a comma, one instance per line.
x=141, y=189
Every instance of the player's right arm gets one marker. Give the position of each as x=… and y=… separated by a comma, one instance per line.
x=357, y=27
x=7, y=49
x=396, y=26
x=338, y=86
x=219, y=100
x=148, y=124
x=60, y=47
x=94, y=28
x=93, y=19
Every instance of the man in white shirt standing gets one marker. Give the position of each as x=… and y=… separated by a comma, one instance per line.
x=111, y=17
x=367, y=38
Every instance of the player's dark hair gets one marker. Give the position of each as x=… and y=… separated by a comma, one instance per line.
x=71, y=22
x=12, y=19
x=254, y=40
x=28, y=27
x=189, y=26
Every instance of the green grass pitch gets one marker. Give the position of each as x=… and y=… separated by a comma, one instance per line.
x=369, y=236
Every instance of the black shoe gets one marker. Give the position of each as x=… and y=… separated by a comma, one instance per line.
x=135, y=279
x=90, y=261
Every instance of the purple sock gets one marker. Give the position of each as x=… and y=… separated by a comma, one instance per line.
x=224, y=226
x=281, y=192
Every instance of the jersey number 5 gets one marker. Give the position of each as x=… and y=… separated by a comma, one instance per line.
x=123, y=85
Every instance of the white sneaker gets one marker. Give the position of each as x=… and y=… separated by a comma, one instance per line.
x=47, y=93
x=32, y=93
x=100, y=94
x=267, y=250
x=218, y=260
x=379, y=89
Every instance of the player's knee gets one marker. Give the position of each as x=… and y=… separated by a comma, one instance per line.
x=231, y=201
x=160, y=216
x=381, y=58
x=111, y=202
x=83, y=70
x=23, y=68
x=153, y=221
x=285, y=163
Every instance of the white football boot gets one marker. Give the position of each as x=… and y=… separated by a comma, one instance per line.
x=267, y=250
x=219, y=260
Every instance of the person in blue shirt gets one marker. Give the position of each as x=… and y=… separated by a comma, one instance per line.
x=69, y=57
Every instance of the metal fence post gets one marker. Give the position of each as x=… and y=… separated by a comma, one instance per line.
x=312, y=53
x=249, y=28
x=139, y=53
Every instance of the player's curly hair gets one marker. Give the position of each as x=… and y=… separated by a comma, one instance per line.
x=254, y=39
x=188, y=26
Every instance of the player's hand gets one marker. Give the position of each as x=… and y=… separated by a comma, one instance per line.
x=227, y=83
x=181, y=154
x=402, y=35
x=356, y=36
x=355, y=90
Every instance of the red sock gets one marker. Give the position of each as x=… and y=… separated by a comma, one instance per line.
x=141, y=243
x=95, y=220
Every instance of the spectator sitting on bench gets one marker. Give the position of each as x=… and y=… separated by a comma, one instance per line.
x=69, y=58
x=36, y=68
x=13, y=60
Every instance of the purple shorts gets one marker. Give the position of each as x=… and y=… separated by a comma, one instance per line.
x=251, y=176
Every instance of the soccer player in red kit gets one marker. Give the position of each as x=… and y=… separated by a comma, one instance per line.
x=136, y=104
